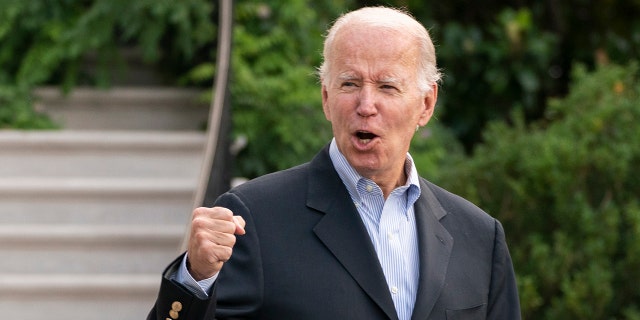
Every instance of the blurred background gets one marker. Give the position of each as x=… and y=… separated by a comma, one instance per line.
x=538, y=118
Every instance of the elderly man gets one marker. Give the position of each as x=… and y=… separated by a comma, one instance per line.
x=355, y=233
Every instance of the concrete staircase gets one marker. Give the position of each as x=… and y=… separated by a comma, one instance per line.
x=90, y=215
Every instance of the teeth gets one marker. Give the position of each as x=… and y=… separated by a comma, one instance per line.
x=365, y=141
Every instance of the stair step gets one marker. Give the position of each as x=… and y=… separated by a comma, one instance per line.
x=46, y=249
x=115, y=201
x=100, y=154
x=129, y=108
x=78, y=284
x=81, y=187
x=73, y=296
x=79, y=208
x=114, y=235
x=83, y=139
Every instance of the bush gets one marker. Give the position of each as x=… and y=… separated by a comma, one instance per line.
x=491, y=69
x=17, y=112
x=433, y=147
x=566, y=189
x=276, y=97
x=51, y=42
x=48, y=41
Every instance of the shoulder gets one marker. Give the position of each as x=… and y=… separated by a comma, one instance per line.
x=459, y=212
x=272, y=184
x=292, y=181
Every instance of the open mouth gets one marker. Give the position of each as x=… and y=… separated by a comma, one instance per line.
x=365, y=136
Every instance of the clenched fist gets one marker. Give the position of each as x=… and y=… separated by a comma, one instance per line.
x=213, y=235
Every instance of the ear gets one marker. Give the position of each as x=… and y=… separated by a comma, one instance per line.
x=429, y=105
x=325, y=104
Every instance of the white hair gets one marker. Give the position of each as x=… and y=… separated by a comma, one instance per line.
x=393, y=19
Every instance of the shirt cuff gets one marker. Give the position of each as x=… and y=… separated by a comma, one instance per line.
x=199, y=288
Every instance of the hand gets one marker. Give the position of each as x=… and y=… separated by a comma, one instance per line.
x=213, y=235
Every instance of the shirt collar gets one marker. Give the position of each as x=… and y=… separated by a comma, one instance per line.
x=350, y=176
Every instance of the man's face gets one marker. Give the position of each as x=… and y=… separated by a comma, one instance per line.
x=372, y=100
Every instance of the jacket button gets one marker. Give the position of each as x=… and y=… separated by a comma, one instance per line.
x=177, y=306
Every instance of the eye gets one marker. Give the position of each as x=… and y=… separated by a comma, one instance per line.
x=388, y=87
x=348, y=84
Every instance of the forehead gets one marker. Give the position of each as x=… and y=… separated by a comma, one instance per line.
x=373, y=51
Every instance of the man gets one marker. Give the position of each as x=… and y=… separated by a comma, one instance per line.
x=355, y=233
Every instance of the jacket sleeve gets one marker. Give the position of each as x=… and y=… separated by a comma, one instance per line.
x=176, y=302
x=503, y=296
x=236, y=294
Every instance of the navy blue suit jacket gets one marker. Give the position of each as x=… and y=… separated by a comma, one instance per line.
x=307, y=255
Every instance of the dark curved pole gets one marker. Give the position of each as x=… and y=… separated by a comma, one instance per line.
x=209, y=182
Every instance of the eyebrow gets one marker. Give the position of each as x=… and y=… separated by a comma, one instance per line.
x=385, y=80
x=348, y=76
x=393, y=80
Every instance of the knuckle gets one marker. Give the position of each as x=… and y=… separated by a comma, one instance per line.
x=224, y=226
x=227, y=238
x=199, y=211
x=198, y=224
x=232, y=240
x=226, y=254
x=229, y=227
x=199, y=236
x=225, y=215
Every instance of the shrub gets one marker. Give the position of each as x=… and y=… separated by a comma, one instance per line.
x=566, y=189
x=433, y=147
x=490, y=69
x=276, y=96
x=17, y=112
x=49, y=42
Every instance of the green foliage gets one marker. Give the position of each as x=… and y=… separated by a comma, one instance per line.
x=433, y=147
x=16, y=111
x=566, y=189
x=50, y=41
x=490, y=70
x=276, y=95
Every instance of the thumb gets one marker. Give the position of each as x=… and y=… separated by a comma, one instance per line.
x=240, y=223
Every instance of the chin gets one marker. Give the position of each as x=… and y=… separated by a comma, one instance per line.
x=365, y=165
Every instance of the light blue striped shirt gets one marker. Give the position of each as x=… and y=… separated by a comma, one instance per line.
x=391, y=225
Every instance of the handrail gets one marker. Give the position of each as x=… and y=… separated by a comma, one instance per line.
x=225, y=33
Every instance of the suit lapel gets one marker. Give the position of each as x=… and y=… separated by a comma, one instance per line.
x=344, y=234
x=435, y=245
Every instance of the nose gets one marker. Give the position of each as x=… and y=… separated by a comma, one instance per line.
x=366, y=102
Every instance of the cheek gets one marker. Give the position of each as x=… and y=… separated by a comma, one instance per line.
x=403, y=119
x=337, y=109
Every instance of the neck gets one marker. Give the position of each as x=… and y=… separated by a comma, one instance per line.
x=388, y=184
